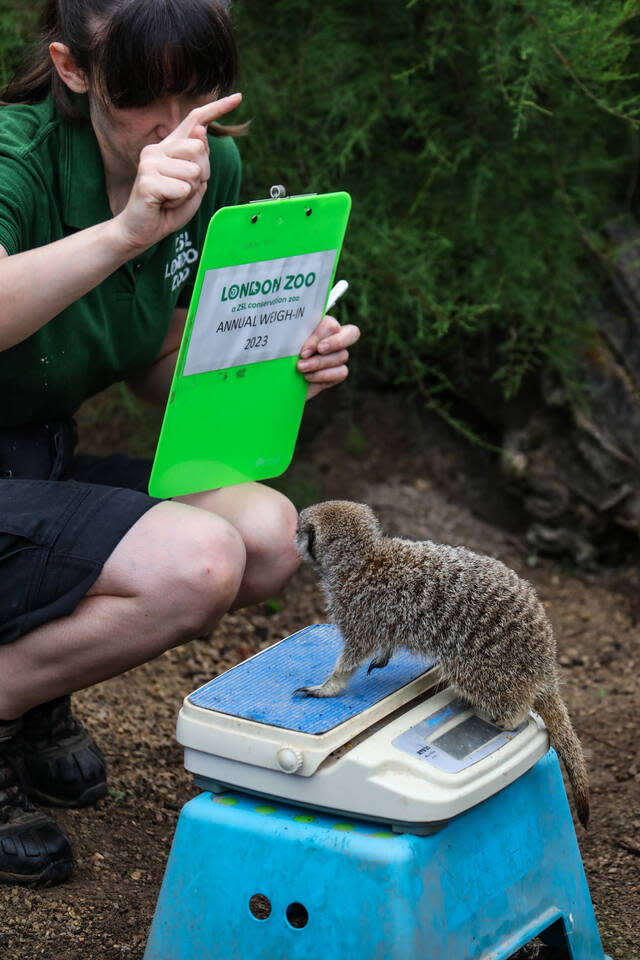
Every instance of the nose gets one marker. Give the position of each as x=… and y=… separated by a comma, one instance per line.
x=172, y=111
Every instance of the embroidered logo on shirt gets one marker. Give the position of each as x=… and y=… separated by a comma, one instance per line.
x=179, y=269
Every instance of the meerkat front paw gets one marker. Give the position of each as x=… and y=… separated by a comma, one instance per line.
x=330, y=688
x=310, y=691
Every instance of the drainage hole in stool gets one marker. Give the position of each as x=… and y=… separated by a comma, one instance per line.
x=297, y=915
x=260, y=906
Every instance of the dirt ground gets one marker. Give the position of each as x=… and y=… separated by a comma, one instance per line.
x=424, y=484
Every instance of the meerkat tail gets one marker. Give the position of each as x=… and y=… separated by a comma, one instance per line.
x=550, y=706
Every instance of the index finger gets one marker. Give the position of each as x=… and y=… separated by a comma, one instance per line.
x=202, y=116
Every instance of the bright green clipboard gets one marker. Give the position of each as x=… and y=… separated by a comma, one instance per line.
x=229, y=424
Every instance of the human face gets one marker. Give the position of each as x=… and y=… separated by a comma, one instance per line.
x=122, y=134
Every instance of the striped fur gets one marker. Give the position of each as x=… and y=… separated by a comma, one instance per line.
x=484, y=623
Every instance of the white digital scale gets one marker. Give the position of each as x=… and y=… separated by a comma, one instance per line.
x=397, y=746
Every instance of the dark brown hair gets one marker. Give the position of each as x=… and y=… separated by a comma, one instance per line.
x=132, y=52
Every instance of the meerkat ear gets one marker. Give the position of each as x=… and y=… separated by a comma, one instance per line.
x=311, y=540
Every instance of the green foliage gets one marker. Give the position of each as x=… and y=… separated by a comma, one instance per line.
x=356, y=443
x=484, y=145
x=18, y=25
x=119, y=796
x=272, y=607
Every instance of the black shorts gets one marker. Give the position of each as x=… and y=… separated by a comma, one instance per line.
x=61, y=516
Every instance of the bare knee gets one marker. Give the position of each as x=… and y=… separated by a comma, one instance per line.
x=172, y=577
x=208, y=573
x=272, y=558
x=184, y=565
x=266, y=521
x=270, y=538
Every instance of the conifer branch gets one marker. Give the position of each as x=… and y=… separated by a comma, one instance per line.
x=563, y=60
x=446, y=321
x=632, y=16
x=432, y=404
x=602, y=259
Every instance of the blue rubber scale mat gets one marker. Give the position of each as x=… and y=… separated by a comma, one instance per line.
x=261, y=689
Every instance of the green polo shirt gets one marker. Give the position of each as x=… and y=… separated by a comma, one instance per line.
x=51, y=185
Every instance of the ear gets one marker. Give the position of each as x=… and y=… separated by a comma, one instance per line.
x=67, y=69
x=311, y=541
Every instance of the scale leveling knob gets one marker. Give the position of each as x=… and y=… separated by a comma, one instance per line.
x=289, y=759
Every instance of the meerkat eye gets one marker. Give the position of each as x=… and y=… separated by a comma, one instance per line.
x=311, y=539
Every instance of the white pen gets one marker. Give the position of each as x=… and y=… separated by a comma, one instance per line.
x=336, y=292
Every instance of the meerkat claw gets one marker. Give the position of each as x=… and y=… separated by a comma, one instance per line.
x=306, y=691
x=377, y=665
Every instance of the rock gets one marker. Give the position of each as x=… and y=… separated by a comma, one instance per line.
x=575, y=460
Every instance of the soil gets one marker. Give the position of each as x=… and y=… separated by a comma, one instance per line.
x=424, y=483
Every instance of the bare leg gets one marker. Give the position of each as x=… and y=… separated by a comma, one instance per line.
x=266, y=521
x=172, y=577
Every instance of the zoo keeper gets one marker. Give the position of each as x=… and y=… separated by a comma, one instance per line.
x=111, y=166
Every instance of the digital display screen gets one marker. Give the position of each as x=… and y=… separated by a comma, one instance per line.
x=466, y=737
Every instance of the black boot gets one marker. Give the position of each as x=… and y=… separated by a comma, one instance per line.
x=62, y=765
x=33, y=848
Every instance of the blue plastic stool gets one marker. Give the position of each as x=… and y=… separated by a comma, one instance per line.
x=255, y=880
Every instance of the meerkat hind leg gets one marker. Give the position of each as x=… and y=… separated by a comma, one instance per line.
x=511, y=719
x=506, y=717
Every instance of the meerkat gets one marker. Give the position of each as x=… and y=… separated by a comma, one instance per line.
x=484, y=623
